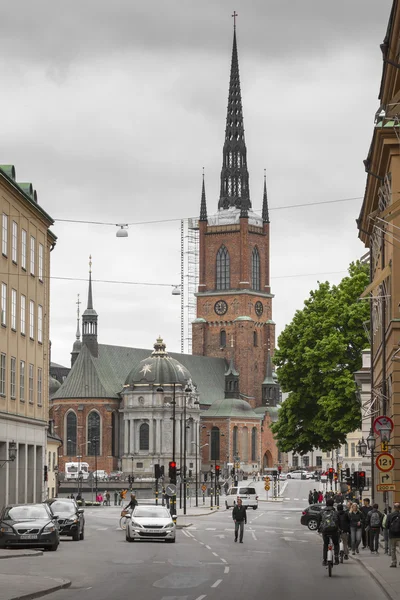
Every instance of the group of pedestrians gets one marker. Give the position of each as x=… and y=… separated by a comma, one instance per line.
x=318, y=496
x=354, y=525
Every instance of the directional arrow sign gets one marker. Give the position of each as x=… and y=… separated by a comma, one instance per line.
x=386, y=477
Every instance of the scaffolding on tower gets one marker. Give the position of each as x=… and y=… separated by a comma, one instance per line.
x=189, y=279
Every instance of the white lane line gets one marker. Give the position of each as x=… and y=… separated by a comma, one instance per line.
x=223, y=560
x=211, y=529
x=185, y=533
x=287, y=498
x=208, y=547
x=159, y=562
x=254, y=535
x=288, y=532
x=191, y=534
x=268, y=531
x=226, y=570
x=215, y=554
x=296, y=498
x=101, y=528
x=229, y=530
x=216, y=584
x=202, y=543
x=201, y=597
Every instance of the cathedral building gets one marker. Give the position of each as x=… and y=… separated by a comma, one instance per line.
x=118, y=406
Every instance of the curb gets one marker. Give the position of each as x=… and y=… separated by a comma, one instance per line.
x=379, y=580
x=22, y=554
x=200, y=514
x=61, y=584
x=183, y=526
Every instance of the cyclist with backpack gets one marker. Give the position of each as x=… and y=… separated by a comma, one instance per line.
x=393, y=525
x=374, y=522
x=329, y=527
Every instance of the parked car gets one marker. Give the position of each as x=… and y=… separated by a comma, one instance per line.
x=100, y=475
x=116, y=476
x=70, y=517
x=311, y=516
x=28, y=525
x=150, y=523
x=246, y=493
x=298, y=474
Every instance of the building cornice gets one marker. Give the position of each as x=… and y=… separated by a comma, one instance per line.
x=234, y=293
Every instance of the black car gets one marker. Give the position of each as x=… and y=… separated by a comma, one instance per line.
x=28, y=525
x=311, y=516
x=70, y=518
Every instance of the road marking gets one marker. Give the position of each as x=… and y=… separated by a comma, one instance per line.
x=268, y=531
x=159, y=562
x=211, y=529
x=191, y=534
x=216, y=584
x=254, y=535
x=201, y=597
x=287, y=498
x=101, y=528
x=229, y=530
x=202, y=543
x=185, y=533
x=208, y=547
x=296, y=498
x=226, y=570
x=215, y=554
x=223, y=560
x=288, y=531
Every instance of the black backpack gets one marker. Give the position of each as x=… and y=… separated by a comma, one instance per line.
x=375, y=519
x=395, y=525
x=329, y=521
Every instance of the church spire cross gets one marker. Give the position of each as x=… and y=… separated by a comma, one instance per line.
x=203, y=205
x=234, y=174
x=265, y=210
x=234, y=19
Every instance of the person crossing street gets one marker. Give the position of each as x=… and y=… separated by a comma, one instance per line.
x=239, y=516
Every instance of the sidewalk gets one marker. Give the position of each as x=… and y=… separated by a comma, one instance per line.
x=25, y=587
x=378, y=567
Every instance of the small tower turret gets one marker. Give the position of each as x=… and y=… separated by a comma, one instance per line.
x=89, y=320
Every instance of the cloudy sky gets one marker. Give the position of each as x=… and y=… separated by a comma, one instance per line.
x=111, y=109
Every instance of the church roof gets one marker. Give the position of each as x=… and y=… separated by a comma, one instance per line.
x=104, y=376
x=231, y=407
x=158, y=368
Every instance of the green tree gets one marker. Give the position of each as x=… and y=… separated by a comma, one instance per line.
x=319, y=351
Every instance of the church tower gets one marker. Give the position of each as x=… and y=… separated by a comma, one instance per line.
x=89, y=320
x=234, y=300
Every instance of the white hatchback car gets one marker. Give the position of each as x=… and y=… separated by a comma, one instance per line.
x=245, y=492
x=150, y=523
x=298, y=474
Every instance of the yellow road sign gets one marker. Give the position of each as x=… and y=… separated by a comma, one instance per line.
x=385, y=461
x=386, y=487
x=385, y=446
x=385, y=478
x=267, y=487
x=204, y=487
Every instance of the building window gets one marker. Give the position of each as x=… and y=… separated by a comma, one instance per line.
x=4, y=239
x=255, y=339
x=318, y=460
x=222, y=339
x=144, y=437
x=13, y=377
x=4, y=304
x=235, y=441
x=23, y=314
x=346, y=449
x=295, y=460
x=328, y=454
x=254, y=444
x=223, y=269
x=39, y=386
x=215, y=439
x=22, y=381
x=40, y=265
x=255, y=270
x=306, y=461
x=93, y=433
x=14, y=242
x=353, y=449
x=14, y=309
x=31, y=383
x=2, y=374
x=40, y=324
x=31, y=319
x=71, y=428
x=139, y=465
x=23, y=249
x=32, y=262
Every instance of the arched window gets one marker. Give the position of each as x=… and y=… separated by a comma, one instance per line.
x=71, y=432
x=223, y=269
x=144, y=437
x=93, y=434
x=255, y=270
x=222, y=338
x=244, y=450
x=255, y=340
x=235, y=441
x=215, y=443
x=254, y=444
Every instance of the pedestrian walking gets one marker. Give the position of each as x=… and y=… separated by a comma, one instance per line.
x=320, y=497
x=108, y=498
x=385, y=531
x=240, y=518
x=115, y=498
x=344, y=528
x=315, y=496
x=356, y=519
x=393, y=525
x=310, y=497
x=365, y=509
x=373, y=527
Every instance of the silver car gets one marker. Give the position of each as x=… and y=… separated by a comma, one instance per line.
x=151, y=523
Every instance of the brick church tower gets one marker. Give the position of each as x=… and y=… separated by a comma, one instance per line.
x=234, y=300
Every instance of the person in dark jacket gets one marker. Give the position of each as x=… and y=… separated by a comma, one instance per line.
x=132, y=504
x=356, y=519
x=344, y=528
x=365, y=509
x=387, y=512
x=374, y=522
x=240, y=517
x=315, y=496
x=310, y=497
x=393, y=525
x=331, y=534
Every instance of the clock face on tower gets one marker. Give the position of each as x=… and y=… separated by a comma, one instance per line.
x=259, y=308
x=220, y=307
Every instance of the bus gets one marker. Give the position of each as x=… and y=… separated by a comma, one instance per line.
x=72, y=471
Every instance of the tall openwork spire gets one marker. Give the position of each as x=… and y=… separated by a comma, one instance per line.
x=90, y=295
x=265, y=210
x=89, y=320
x=203, y=205
x=234, y=173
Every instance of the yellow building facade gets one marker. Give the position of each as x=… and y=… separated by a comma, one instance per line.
x=26, y=243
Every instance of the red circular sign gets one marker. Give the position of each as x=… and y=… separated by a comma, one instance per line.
x=383, y=422
x=384, y=461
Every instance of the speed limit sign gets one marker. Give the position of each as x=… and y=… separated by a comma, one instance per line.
x=384, y=461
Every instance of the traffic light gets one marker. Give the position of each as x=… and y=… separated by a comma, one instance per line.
x=330, y=473
x=275, y=473
x=162, y=470
x=45, y=473
x=233, y=472
x=361, y=479
x=348, y=474
x=205, y=476
x=280, y=469
x=157, y=471
x=356, y=479
x=172, y=471
x=335, y=476
x=217, y=471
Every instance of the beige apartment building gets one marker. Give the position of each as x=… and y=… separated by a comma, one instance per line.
x=26, y=243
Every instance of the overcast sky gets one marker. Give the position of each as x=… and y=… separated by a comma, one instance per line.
x=111, y=109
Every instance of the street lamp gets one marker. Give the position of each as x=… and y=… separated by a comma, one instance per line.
x=12, y=453
x=197, y=471
x=362, y=447
x=216, y=457
x=95, y=442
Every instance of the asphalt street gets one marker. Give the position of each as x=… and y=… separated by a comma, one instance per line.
x=278, y=556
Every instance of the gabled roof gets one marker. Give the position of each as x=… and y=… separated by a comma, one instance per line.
x=104, y=376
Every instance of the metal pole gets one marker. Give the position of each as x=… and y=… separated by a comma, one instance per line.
x=95, y=464
x=180, y=462
x=131, y=472
x=184, y=456
x=173, y=498
x=197, y=466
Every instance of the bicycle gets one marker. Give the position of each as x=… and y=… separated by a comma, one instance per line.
x=125, y=516
x=329, y=558
x=341, y=551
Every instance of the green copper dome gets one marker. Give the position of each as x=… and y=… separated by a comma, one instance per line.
x=231, y=407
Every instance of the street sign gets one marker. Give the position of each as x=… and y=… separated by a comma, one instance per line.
x=384, y=461
x=387, y=487
x=204, y=487
x=384, y=423
x=384, y=446
x=170, y=489
x=267, y=487
x=385, y=478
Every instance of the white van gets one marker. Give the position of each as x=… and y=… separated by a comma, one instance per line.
x=245, y=492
